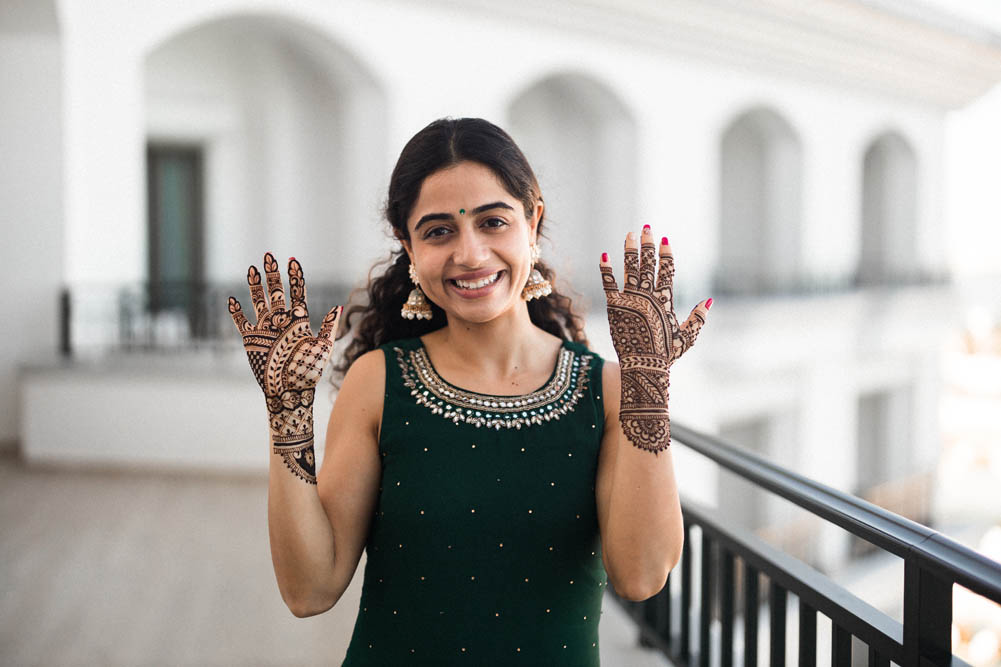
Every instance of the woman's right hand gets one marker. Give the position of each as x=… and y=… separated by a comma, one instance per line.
x=286, y=358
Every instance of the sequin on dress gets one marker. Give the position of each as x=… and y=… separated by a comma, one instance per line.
x=484, y=547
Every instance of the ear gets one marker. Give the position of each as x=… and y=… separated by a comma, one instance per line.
x=410, y=251
x=533, y=224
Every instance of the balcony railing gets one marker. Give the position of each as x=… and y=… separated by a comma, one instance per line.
x=732, y=562
x=164, y=317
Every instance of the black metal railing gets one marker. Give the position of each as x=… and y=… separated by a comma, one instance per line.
x=733, y=561
x=163, y=317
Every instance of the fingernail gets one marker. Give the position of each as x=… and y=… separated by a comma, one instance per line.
x=663, y=240
x=604, y=256
x=631, y=236
x=646, y=228
x=709, y=304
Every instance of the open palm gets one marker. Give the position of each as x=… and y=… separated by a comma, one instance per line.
x=285, y=356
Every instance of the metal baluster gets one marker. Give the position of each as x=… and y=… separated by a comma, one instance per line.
x=841, y=646
x=807, y=635
x=706, y=611
x=686, y=594
x=777, y=624
x=726, y=607
x=927, y=616
x=750, y=616
x=876, y=659
x=667, y=610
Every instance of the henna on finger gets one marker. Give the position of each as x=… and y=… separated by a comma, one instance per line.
x=276, y=292
x=297, y=288
x=648, y=264
x=665, y=277
x=257, y=293
x=236, y=311
x=632, y=270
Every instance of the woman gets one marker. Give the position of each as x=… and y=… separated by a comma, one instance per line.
x=492, y=466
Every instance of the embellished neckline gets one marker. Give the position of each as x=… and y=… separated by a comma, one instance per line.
x=494, y=397
x=555, y=398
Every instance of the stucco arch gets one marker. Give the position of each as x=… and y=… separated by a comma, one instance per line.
x=760, y=203
x=293, y=126
x=889, y=209
x=581, y=139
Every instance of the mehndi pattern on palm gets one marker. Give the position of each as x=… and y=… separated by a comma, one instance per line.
x=286, y=359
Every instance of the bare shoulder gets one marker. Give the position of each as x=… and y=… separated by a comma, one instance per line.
x=362, y=392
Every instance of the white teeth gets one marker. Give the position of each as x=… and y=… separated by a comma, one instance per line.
x=476, y=284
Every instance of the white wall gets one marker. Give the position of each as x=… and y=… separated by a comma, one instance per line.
x=31, y=207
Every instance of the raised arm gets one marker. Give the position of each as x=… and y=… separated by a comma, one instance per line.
x=287, y=361
x=639, y=510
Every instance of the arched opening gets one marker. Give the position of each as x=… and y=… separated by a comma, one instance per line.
x=760, y=204
x=889, y=211
x=261, y=132
x=581, y=141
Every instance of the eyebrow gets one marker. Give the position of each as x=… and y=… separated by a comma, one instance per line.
x=448, y=216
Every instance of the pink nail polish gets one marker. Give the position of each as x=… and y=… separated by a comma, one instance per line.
x=663, y=241
x=646, y=228
x=709, y=304
x=604, y=256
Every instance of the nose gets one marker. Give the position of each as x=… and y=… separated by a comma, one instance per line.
x=471, y=250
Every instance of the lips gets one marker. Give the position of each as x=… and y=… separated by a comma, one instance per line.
x=478, y=287
x=477, y=283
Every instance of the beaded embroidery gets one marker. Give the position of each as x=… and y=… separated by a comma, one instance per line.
x=557, y=398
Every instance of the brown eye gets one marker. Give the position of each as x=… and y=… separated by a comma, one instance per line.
x=435, y=232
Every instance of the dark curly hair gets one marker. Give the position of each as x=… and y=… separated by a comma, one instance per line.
x=442, y=144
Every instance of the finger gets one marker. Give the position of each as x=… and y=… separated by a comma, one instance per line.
x=690, y=329
x=275, y=289
x=665, y=276
x=632, y=263
x=648, y=260
x=607, y=275
x=328, y=329
x=238, y=317
x=297, y=288
x=257, y=293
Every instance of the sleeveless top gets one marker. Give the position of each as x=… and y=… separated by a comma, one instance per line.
x=484, y=546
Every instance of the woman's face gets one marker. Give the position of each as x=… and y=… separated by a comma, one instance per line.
x=470, y=242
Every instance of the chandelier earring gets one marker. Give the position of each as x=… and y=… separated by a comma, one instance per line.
x=417, y=305
x=537, y=286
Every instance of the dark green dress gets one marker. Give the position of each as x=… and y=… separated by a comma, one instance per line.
x=484, y=548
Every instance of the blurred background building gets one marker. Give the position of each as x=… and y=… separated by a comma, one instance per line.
x=799, y=156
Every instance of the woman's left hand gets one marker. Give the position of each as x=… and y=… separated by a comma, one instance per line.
x=647, y=337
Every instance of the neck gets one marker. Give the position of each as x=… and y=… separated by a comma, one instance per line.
x=497, y=348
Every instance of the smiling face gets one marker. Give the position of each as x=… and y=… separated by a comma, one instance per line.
x=470, y=243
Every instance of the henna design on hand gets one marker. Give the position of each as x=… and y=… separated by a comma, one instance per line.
x=287, y=359
x=647, y=339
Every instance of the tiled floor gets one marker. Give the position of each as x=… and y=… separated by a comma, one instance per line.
x=142, y=568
